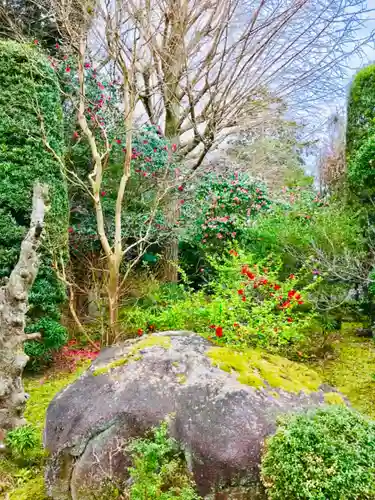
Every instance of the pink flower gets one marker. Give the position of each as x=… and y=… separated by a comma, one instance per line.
x=174, y=147
x=219, y=236
x=57, y=46
x=103, y=193
x=118, y=141
x=67, y=69
x=36, y=42
x=87, y=65
x=75, y=135
x=180, y=188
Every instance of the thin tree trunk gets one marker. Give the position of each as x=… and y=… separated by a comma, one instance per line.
x=13, y=309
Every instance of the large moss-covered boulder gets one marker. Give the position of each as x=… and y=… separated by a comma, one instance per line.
x=220, y=406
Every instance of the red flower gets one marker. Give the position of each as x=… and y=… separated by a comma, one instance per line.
x=57, y=46
x=212, y=327
x=233, y=252
x=300, y=302
x=75, y=135
x=240, y=292
x=70, y=230
x=250, y=275
x=219, y=331
x=36, y=42
x=180, y=188
x=103, y=193
x=298, y=296
x=291, y=293
x=134, y=156
x=174, y=147
x=236, y=325
x=285, y=304
x=244, y=299
x=124, y=150
x=244, y=270
x=291, y=276
x=155, y=149
x=140, y=331
x=87, y=65
x=118, y=141
x=290, y=320
x=263, y=281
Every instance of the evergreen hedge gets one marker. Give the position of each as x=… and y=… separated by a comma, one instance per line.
x=28, y=90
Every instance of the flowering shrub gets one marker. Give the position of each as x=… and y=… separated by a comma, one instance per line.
x=246, y=305
x=71, y=355
x=225, y=204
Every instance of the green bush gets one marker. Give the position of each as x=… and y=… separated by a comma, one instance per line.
x=29, y=90
x=159, y=469
x=324, y=454
x=361, y=109
x=25, y=443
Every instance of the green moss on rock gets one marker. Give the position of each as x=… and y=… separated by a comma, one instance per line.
x=258, y=369
x=333, y=398
x=133, y=354
x=31, y=490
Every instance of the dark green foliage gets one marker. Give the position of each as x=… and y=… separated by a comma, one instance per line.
x=324, y=454
x=159, y=469
x=29, y=88
x=361, y=109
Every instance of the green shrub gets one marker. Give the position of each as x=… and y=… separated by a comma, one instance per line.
x=29, y=89
x=246, y=305
x=159, y=469
x=25, y=443
x=361, y=109
x=324, y=454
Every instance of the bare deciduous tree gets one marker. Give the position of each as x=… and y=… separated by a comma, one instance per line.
x=13, y=309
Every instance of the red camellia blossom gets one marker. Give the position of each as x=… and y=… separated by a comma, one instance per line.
x=87, y=65
x=219, y=331
x=180, y=188
x=67, y=69
x=118, y=141
x=291, y=293
x=240, y=292
x=290, y=320
x=139, y=331
x=103, y=193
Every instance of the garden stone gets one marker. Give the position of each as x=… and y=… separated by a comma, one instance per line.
x=220, y=406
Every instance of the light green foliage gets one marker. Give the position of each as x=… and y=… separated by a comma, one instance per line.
x=326, y=454
x=247, y=300
x=333, y=398
x=28, y=89
x=159, y=469
x=23, y=441
x=257, y=368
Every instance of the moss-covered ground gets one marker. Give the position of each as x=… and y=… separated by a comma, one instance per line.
x=351, y=369
x=24, y=480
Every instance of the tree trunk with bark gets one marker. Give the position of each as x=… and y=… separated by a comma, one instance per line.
x=13, y=309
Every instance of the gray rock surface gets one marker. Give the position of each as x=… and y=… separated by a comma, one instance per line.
x=220, y=422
